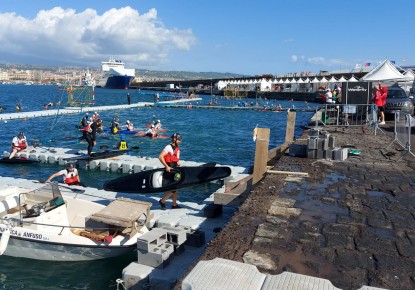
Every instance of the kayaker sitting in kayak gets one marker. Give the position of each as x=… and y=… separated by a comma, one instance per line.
x=151, y=132
x=70, y=175
x=122, y=144
x=19, y=143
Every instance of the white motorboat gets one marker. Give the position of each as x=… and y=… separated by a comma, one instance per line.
x=44, y=225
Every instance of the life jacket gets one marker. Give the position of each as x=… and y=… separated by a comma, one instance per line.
x=71, y=179
x=123, y=145
x=173, y=158
x=22, y=144
x=87, y=128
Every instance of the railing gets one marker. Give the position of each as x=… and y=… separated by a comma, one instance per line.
x=402, y=132
x=348, y=115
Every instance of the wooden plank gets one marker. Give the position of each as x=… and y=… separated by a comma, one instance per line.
x=122, y=212
x=289, y=133
x=261, y=153
x=287, y=172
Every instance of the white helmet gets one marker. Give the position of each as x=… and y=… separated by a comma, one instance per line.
x=127, y=122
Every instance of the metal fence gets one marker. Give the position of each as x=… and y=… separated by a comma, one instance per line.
x=343, y=115
x=402, y=132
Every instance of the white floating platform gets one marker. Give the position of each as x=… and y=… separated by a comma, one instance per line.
x=77, y=110
x=222, y=274
x=122, y=163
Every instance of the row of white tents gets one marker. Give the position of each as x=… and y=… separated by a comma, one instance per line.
x=383, y=72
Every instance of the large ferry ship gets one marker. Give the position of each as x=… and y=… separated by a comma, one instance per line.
x=114, y=75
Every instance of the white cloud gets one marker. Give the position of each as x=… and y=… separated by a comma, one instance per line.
x=294, y=58
x=88, y=38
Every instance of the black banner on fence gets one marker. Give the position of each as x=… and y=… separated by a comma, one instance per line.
x=356, y=93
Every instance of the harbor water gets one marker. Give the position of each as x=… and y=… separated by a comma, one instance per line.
x=223, y=136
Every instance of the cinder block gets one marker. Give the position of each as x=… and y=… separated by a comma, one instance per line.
x=195, y=238
x=320, y=144
x=157, y=257
x=340, y=154
x=312, y=143
x=313, y=133
x=312, y=154
x=175, y=235
x=213, y=210
x=152, y=239
x=329, y=153
x=332, y=141
x=320, y=154
x=297, y=150
x=136, y=276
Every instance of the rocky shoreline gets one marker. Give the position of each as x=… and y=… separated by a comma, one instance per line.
x=351, y=222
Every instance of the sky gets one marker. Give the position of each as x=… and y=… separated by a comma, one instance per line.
x=239, y=36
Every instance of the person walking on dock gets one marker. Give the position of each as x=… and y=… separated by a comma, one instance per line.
x=170, y=157
x=89, y=132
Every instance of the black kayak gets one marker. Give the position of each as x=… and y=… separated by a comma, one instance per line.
x=159, y=180
x=18, y=160
x=98, y=155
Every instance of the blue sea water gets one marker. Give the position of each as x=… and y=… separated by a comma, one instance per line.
x=209, y=135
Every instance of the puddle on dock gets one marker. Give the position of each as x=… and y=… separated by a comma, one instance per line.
x=375, y=193
x=319, y=202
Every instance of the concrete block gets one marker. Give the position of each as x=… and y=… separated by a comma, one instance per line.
x=312, y=154
x=175, y=235
x=195, y=238
x=169, y=220
x=158, y=257
x=213, y=210
x=332, y=141
x=320, y=154
x=136, y=276
x=152, y=239
x=313, y=133
x=312, y=143
x=329, y=154
x=320, y=144
x=340, y=154
x=297, y=150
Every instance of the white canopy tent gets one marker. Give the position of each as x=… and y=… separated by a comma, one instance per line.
x=383, y=72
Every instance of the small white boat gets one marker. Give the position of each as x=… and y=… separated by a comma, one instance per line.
x=44, y=225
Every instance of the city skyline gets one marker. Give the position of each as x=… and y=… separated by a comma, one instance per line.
x=217, y=36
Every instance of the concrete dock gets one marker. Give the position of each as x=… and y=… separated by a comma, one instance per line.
x=349, y=222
